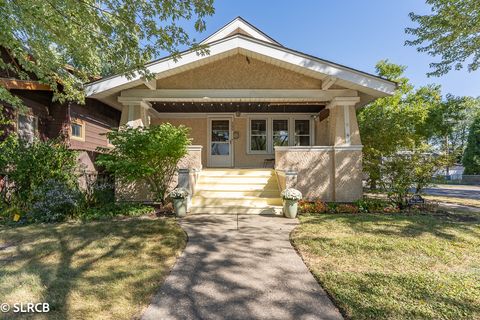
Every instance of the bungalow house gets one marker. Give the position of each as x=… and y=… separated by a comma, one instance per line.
x=263, y=117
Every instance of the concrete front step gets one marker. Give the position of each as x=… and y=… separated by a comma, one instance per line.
x=237, y=172
x=237, y=191
x=240, y=202
x=271, y=210
x=227, y=179
x=236, y=187
x=235, y=194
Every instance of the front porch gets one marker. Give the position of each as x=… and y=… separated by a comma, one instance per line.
x=314, y=147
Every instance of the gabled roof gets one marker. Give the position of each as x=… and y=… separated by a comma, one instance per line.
x=255, y=44
x=239, y=26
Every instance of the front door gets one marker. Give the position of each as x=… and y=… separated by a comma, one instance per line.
x=220, y=144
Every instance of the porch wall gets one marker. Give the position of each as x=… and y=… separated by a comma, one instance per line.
x=325, y=173
x=199, y=135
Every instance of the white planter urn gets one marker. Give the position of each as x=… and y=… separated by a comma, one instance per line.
x=180, y=207
x=290, y=208
x=290, y=198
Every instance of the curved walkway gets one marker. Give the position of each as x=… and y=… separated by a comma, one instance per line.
x=240, y=267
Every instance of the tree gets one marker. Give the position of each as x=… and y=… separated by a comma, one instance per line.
x=451, y=32
x=395, y=123
x=64, y=43
x=148, y=155
x=471, y=158
x=449, y=124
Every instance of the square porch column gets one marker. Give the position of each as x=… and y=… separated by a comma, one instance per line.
x=344, y=136
x=135, y=114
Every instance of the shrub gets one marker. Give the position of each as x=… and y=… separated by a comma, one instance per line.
x=371, y=205
x=113, y=210
x=471, y=157
x=147, y=155
x=312, y=207
x=29, y=165
x=347, y=208
x=54, y=201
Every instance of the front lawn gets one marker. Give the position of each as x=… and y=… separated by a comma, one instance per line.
x=96, y=270
x=394, y=266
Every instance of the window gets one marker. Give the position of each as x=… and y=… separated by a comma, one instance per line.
x=77, y=130
x=258, y=135
x=27, y=127
x=302, y=132
x=280, y=132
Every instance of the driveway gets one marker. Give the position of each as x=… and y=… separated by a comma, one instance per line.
x=240, y=267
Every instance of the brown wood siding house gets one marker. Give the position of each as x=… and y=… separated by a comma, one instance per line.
x=82, y=127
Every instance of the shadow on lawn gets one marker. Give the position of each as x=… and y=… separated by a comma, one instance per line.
x=68, y=255
x=401, y=225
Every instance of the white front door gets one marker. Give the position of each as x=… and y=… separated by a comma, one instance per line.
x=220, y=143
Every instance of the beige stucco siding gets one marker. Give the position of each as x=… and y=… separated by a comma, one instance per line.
x=198, y=131
x=239, y=72
x=348, y=175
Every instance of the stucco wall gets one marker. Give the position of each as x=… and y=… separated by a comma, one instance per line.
x=314, y=171
x=239, y=72
x=323, y=173
x=348, y=175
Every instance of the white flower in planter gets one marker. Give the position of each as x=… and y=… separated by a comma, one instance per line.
x=291, y=194
x=179, y=193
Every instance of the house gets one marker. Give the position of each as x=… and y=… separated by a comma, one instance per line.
x=81, y=126
x=253, y=103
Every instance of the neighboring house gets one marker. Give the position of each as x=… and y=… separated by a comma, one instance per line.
x=82, y=127
x=250, y=103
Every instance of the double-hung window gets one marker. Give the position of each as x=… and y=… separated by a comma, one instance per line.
x=280, y=132
x=258, y=135
x=27, y=127
x=302, y=132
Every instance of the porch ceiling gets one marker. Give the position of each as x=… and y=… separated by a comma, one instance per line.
x=227, y=107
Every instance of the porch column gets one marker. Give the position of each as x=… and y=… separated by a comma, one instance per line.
x=344, y=136
x=135, y=114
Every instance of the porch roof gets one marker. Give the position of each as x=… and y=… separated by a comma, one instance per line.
x=251, y=44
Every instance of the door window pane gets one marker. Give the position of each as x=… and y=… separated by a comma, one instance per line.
x=302, y=132
x=258, y=135
x=280, y=132
x=220, y=149
x=220, y=130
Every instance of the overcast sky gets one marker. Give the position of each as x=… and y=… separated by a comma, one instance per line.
x=350, y=32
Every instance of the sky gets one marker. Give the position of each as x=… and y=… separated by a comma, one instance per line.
x=350, y=32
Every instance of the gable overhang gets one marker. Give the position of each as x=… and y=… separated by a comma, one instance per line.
x=368, y=86
x=239, y=24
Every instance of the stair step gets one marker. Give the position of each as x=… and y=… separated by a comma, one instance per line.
x=236, y=187
x=275, y=210
x=236, y=179
x=237, y=172
x=239, y=202
x=237, y=194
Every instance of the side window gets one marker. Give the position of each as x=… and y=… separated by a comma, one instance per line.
x=77, y=130
x=302, y=132
x=27, y=127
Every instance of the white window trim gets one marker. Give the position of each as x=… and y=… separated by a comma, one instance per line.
x=291, y=131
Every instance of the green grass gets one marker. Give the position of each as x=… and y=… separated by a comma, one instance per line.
x=394, y=266
x=96, y=270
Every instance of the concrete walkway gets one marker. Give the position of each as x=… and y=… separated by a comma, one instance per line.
x=240, y=267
